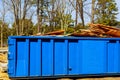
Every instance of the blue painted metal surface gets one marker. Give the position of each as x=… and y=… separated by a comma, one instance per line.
x=35, y=56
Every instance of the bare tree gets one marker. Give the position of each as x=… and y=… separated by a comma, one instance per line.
x=51, y=14
x=76, y=20
x=15, y=5
x=38, y=14
x=92, y=11
x=81, y=12
x=3, y=12
x=19, y=9
x=40, y=4
x=26, y=7
x=79, y=9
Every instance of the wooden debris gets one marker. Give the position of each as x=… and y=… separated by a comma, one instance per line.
x=98, y=30
x=95, y=30
x=84, y=34
x=103, y=29
x=60, y=32
x=3, y=66
x=3, y=58
x=38, y=34
x=4, y=76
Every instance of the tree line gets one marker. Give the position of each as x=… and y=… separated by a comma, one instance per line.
x=40, y=16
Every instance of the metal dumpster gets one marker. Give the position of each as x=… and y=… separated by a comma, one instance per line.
x=49, y=56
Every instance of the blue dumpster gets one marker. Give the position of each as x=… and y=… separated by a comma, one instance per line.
x=50, y=56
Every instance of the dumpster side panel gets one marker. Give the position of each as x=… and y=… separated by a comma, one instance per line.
x=22, y=57
x=113, y=56
x=94, y=57
x=47, y=57
x=12, y=57
x=35, y=57
x=75, y=57
x=60, y=61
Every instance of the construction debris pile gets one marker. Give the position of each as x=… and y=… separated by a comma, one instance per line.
x=94, y=30
x=3, y=67
x=99, y=30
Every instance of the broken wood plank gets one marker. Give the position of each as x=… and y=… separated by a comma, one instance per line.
x=60, y=32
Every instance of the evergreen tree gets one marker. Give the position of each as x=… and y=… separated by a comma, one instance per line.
x=106, y=12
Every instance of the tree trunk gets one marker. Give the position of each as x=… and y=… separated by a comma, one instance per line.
x=81, y=11
x=38, y=15
x=17, y=26
x=92, y=11
x=76, y=20
x=2, y=35
x=20, y=22
x=24, y=15
x=23, y=23
x=16, y=8
x=52, y=16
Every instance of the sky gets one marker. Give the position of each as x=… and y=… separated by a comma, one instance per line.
x=87, y=19
x=118, y=5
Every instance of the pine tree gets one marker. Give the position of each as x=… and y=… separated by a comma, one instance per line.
x=106, y=12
